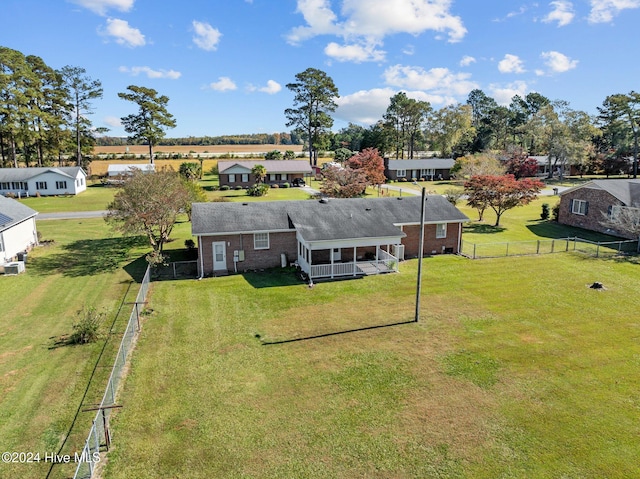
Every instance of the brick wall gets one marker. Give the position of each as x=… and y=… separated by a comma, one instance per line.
x=598, y=205
x=431, y=243
x=253, y=259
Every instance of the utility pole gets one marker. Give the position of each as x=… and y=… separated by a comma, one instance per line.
x=420, y=253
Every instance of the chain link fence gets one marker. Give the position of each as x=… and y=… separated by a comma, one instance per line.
x=521, y=248
x=99, y=438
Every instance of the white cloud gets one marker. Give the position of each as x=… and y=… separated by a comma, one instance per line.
x=206, y=37
x=354, y=53
x=135, y=71
x=562, y=13
x=366, y=107
x=558, y=62
x=123, y=33
x=365, y=23
x=112, y=121
x=511, y=64
x=223, y=84
x=438, y=81
x=503, y=94
x=102, y=6
x=603, y=11
x=467, y=60
x=272, y=87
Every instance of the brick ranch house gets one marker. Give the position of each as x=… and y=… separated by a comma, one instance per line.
x=587, y=206
x=425, y=169
x=325, y=238
x=238, y=173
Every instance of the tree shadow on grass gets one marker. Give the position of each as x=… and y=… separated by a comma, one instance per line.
x=482, y=228
x=90, y=257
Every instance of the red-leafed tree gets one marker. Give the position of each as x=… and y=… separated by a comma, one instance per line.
x=522, y=167
x=500, y=193
x=370, y=163
x=343, y=182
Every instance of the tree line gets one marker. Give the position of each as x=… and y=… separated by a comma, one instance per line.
x=45, y=117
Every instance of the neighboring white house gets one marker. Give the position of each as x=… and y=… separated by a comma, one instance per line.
x=47, y=181
x=129, y=169
x=17, y=229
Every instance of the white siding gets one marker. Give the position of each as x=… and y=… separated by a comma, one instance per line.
x=18, y=238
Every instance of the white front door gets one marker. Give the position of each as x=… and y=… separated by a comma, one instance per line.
x=219, y=256
x=336, y=254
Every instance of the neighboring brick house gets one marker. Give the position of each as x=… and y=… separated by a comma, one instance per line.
x=426, y=169
x=326, y=238
x=238, y=173
x=588, y=206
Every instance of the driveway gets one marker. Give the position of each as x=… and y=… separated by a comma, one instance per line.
x=71, y=215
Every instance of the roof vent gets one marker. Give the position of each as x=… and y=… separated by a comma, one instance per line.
x=324, y=200
x=367, y=209
x=245, y=204
x=399, y=197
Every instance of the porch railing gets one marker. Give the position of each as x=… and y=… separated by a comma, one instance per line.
x=384, y=264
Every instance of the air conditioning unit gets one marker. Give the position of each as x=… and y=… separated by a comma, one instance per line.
x=15, y=267
x=398, y=251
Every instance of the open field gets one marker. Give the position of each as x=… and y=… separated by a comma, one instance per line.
x=184, y=149
x=42, y=380
x=517, y=369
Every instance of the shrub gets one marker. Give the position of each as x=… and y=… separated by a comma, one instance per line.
x=275, y=185
x=224, y=187
x=453, y=195
x=87, y=327
x=402, y=179
x=545, y=211
x=414, y=179
x=258, y=190
x=556, y=211
x=239, y=187
x=285, y=185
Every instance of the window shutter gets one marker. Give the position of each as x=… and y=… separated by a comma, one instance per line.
x=586, y=208
x=609, y=211
x=571, y=206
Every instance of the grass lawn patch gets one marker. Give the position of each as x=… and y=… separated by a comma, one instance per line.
x=516, y=369
x=42, y=380
x=95, y=198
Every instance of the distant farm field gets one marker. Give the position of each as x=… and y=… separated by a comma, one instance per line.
x=144, y=149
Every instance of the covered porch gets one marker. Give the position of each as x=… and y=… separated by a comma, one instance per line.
x=342, y=259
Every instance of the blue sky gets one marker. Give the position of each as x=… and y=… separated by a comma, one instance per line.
x=224, y=64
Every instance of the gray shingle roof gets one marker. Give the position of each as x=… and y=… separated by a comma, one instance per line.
x=13, y=212
x=423, y=164
x=625, y=190
x=24, y=174
x=272, y=166
x=317, y=221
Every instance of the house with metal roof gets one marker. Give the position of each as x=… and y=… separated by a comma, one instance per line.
x=589, y=205
x=238, y=173
x=46, y=181
x=421, y=169
x=17, y=229
x=326, y=238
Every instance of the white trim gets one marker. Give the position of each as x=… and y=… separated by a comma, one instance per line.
x=261, y=240
x=441, y=230
x=579, y=207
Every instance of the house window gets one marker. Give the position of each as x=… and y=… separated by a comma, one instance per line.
x=272, y=177
x=401, y=173
x=61, y=185
x=4, y=186
x=579, y=207
x=261, y=241
x=441, y=230
x=232, y=178
x=245, y=177
x=41, y=185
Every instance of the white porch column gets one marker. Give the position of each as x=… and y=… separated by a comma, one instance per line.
x=331, y=258
x=355, y=259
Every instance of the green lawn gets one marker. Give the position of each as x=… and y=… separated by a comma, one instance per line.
x=517, y=369
x=42, y=383
x=95, y=198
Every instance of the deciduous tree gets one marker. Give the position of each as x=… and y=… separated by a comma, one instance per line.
x=500, y=193
x=149, y=203
x=343, y=182
x=370, y=163
x=149, y=123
